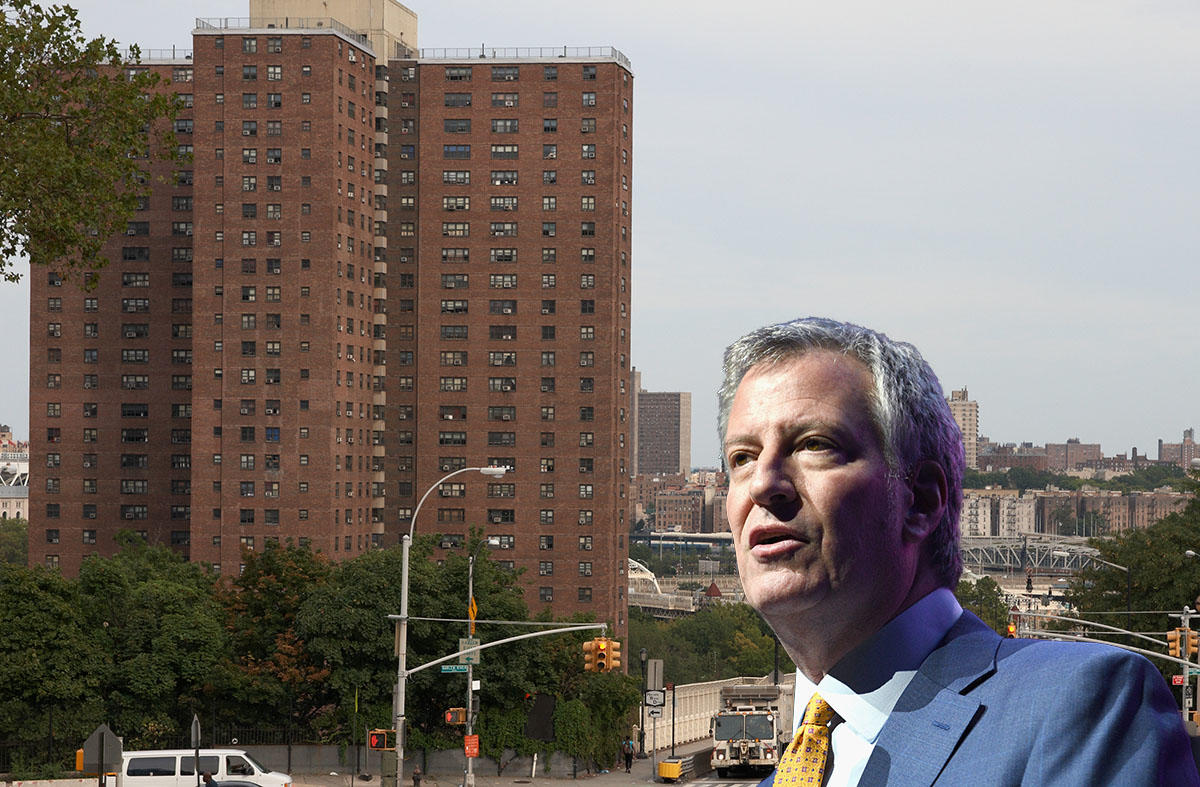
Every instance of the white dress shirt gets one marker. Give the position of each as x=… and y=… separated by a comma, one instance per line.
x=865, y=685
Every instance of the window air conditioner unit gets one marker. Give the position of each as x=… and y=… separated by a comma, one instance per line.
x=271, y=411
x=245, y=411
x=131, y=232
x=496, y=520
x=545, y=311
x=87, y=464
x=508, y=103
x=506, y=388
x=130, y=334
x=245, y=132
x=506, y=311
x=545, y=389
x=129, y=515
x=509, y=77
x=87, y=385
x=506, y=417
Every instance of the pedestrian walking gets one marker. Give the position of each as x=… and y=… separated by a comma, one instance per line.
x=627, y=752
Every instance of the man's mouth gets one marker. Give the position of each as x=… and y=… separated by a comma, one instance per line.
x=769, y=542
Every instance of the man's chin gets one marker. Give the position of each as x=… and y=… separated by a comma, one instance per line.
x=779, y=594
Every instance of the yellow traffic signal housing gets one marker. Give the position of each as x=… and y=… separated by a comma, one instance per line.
x=589, y=656
x=456, y=716
x=381, y=740
x=614, y=655
x=1012, y=630
x=602, y=654
x=1193, y=642
x=1173, y=644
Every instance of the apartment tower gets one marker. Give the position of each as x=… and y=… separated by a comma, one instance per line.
x=509, y=176
x=379, y=266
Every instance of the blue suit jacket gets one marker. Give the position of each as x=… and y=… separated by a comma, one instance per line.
x=984, y=710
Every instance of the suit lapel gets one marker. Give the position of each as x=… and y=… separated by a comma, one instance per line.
x=933, y=714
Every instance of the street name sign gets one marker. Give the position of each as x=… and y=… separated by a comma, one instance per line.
x=454, y=668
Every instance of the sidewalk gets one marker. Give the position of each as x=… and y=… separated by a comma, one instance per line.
x=640, y=774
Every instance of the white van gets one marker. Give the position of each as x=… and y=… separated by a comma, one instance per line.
x=176, y=768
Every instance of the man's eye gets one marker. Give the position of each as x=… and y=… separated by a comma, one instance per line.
x=738, y=459
x=815, y=444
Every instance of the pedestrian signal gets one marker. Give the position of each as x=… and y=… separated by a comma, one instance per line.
x=456, y=716
x=381, y=740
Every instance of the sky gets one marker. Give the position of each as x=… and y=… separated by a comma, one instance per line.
x=1013, y=187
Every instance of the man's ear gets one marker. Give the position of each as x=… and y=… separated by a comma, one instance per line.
x=929, y=500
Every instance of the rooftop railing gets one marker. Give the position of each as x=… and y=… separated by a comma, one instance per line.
x=280, y=23
x=527, y=53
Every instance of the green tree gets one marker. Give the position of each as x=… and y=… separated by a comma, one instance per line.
x=14, y=541
x=1161, y=576
x=984, y=598
x=51, y=662
x=73, y=144
x=161, y=635
x=721, y=641
x=276, y=675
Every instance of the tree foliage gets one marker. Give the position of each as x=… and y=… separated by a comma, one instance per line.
x=720, y=641
x=74, y=153
x=14, y=541
x=984, y=598
x=143, y=639
x=1161, y=575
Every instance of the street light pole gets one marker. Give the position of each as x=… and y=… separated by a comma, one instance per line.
x=402, y=635
x=642, y=729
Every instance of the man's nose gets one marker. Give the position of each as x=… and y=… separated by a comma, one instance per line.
x=773, y=485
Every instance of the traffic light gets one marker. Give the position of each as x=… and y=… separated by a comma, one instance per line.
x=456, y=716
x=589, y=656
x=381, y=740
x=1193, y=642
x=1012, y=630
x=1173, y=642
x=601, y=654
x=614, y=655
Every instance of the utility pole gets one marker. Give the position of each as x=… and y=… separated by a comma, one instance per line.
x=1185, y=652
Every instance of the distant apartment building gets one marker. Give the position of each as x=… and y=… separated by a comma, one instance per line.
x=664, y=432
x=382, y=265
x=997, y=513
x=1071, y=455
x=1103, y=512
x=1182, y=453
x=680, y=510
x=966, y=415
x=994, y=457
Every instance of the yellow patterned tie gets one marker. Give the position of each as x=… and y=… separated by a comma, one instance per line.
x=804, y=760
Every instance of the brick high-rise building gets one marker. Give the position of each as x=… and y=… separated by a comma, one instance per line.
x=382, y=265
x=509, y=175
x=966, y=414
x=664, y=432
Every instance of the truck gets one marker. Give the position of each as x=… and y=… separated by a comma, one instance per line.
x=749, y=731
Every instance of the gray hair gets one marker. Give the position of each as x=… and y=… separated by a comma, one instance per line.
x=908, y=408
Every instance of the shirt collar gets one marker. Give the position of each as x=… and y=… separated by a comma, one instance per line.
x=865, y=685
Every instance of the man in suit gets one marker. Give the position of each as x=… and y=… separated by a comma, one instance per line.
x=845, y=487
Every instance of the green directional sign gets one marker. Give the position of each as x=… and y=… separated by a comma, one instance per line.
x=454, y=668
